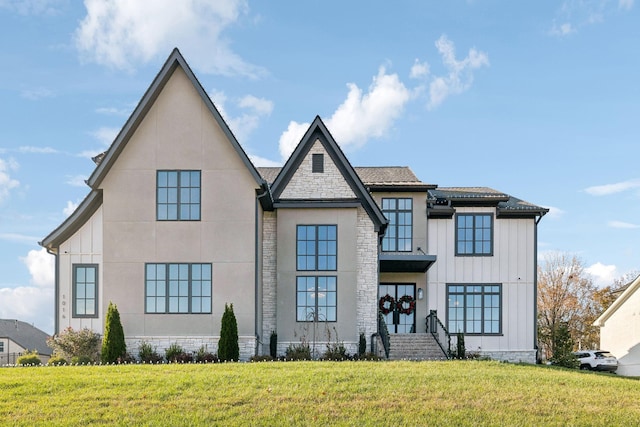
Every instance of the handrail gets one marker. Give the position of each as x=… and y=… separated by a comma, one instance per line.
x=439, y=332
x=384, y=333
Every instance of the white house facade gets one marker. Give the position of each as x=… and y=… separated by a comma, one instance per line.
x=179, y=222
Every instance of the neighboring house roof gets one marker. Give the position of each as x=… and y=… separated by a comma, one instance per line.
x=506, y=205
x=628, y=292
x=318, y=132
x=25, y=335
x=105, y=160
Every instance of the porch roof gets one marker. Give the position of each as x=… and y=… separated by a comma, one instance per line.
x=405, y=262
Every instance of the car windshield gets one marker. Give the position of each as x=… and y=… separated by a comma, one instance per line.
x=603, y=354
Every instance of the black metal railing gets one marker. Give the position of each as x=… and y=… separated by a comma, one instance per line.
x=384, y=333
x=439, y=332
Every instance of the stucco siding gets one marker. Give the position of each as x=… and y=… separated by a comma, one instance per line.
x=621, y=336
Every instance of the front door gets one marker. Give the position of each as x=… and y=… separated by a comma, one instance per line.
x=397, y=303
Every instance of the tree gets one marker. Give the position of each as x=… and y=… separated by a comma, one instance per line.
x=228, y=349
x=113, y=343
x=563, y=347
x=565, y=298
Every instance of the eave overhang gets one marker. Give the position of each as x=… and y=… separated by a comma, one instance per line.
x=400, y=188
x=405, y=263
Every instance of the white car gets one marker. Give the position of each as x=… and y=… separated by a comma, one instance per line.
x=597, y=360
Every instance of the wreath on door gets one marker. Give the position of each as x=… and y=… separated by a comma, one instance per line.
x=386, y=304
x=403, y=308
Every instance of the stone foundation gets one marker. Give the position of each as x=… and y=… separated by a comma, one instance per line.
x=522, y=356
x=247, y=344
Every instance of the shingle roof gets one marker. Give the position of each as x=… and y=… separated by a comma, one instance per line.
x=505, y=203
x=27, y=336
x=370, y=175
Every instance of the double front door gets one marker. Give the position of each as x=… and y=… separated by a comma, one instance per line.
x=397, y=302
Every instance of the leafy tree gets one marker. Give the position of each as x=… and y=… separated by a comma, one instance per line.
x=113, y=343
x=563, y=347
x=71, y=344
x=228, y=349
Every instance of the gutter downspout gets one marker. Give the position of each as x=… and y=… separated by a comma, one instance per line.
x=535, y=283
x=56, y=289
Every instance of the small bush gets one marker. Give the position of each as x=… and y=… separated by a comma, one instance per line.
x=336, y=351
x=29, y=358
x=300, y=351
x=81, y=360
x=362, y=344
x=204, y=356
x=173, y=352
x=367, y=356
x=273, y=344
x=57, y=361
x=262, y=358
x=148, y=354
x=70, y=343
x=126, y=358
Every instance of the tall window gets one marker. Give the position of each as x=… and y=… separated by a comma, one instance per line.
x=178, y=288
x=316, y=298
x=474, y=309
x=178, y=196
x=399, y=232
x=474, y=234
x=85, y=290
x=317, y=247
x=1, y=346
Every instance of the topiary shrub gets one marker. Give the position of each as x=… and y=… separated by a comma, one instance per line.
x=148, y=354
x=57, y=361
x=228, y=349
x=362, y=344
x=113, y=343
x=29, y=358
x=273, y=344
x=70, y=343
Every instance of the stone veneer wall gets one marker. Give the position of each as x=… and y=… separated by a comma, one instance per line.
x=522, y=356
x=269, y=278
x=247, y=344
x=329, y=184
x=367, y=273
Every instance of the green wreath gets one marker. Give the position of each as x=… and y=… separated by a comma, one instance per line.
x=382, y=304
x=406, y=299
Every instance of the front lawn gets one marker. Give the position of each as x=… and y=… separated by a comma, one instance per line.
x=316, y=393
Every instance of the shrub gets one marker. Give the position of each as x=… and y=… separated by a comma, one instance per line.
x=367, y=356
x=70, y=343
x=113, y=343
x=204, y=356
x=461, y=351
x=57, y=361
x=300, y=351
x=228, y=349
x=148, y=354
x=336, y=351
x=362, y=344
x=81, y=360
x=261, y=358
x=174, y=352
x=29, y=358
x=563, y=348
x=273, y=344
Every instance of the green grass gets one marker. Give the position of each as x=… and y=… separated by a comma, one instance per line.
x=316, y=393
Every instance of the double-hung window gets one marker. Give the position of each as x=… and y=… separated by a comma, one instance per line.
x=474, y=234
x=178, y=195
x=474, y=309
x=85, y=290
x=316, y=298
x=317, y=247
x=398, y=237
x=178, y=288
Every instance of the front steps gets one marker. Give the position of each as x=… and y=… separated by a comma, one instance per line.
x=414, y=347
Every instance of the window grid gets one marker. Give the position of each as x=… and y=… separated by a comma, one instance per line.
x=178, y=195
x=316, y=298
x=85, y=290
x=178, y=288
x=1, y=346
x=474, y=309
x=399, y=212
x=474, y=234
x=316, y=248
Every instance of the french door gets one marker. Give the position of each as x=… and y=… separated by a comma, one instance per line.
x=397, y=303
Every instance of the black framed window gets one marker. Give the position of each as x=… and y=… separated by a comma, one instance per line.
x=474, y=234
x=316, y=247
x=399, y=212
x=85, y=290
x=474, y=309
x=317, y=163
x=316, y=298
x=178, y=288
x=178, y=195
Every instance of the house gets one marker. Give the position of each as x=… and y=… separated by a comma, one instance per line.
x=620, y=329
x=178, y=222
x=17, y=337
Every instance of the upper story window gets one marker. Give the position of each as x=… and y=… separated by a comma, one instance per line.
x=178, y=195
x=85, y=290
x=474, y=309
x=399, y=232
x=474, y=234
x=178, y=288
x=317, y=247
x=1, y=346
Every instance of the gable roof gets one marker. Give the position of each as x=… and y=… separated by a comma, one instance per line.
x=631, y=288
x=25, y=335
x=318, y=132
x=104, y=161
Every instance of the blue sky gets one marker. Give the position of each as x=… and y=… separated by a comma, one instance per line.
x=540, y=100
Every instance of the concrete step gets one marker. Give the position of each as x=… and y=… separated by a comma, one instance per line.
x=414, y=347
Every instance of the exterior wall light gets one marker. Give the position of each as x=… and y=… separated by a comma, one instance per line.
x=420, y=293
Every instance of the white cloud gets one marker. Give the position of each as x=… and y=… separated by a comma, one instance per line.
x=419, y=70
x=6, y=182
x=41, y=267
x=618, y=187
x=261, y=161
x=111, y=111
x=562, y=29
x=37, y=93
x=30, y=304
x=32, y=7
x=621, y=224
x=603, y=275
x=360, y=116
x=459, y=77
x=37, y=150
x=77, y=181
x=70, y=208
x=18, y=238
x=124, y=33
x=573, y=15
x=251, y=110
x=625, y=4
x=554, y=212
x=105, y=136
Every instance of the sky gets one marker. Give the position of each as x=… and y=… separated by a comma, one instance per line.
x=537, y=99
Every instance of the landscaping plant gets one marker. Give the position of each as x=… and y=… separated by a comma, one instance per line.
x=82, y=345
x=114, y=347
x=228, y=349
